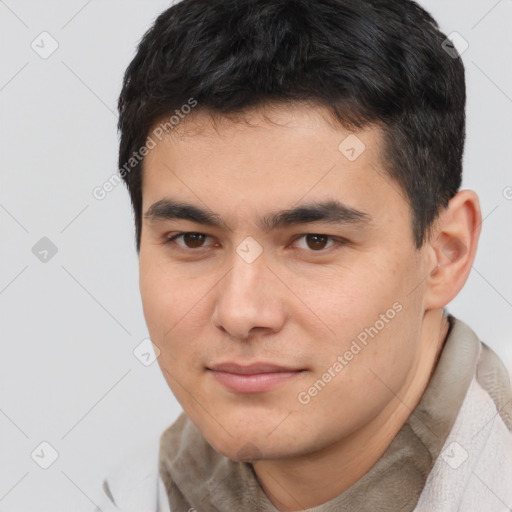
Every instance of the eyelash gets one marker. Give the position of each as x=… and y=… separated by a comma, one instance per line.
x=338, y=242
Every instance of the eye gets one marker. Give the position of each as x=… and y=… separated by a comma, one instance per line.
x=189, y=240
x=315, y=242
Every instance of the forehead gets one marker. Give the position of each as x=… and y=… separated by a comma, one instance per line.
x=284, y=121
x=272, y=139
x=273, y=156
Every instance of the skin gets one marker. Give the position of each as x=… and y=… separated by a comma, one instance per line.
x=300, y=303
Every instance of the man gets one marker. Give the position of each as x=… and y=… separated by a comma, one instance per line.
x=294, y=169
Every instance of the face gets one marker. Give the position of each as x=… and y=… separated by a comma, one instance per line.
x=278, y=242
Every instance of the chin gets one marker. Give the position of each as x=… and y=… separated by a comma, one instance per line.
x=245, y=435
x=252, y=448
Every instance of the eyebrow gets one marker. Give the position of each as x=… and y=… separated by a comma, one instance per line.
x=329, y=211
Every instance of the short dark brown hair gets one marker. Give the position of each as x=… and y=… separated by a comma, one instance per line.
x=369, y=61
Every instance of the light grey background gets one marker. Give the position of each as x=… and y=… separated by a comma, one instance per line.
x=68, y=375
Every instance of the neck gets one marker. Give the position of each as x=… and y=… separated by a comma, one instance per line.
x=308, y=481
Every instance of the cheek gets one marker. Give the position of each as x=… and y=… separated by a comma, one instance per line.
x=372, y=375
x=167, y=297
x=346, y=301
x=161, y=307
x=171, y=320
x=154, y=293
x=374, y=327
x=176, y=310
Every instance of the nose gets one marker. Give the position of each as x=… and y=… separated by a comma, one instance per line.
x=248, y=300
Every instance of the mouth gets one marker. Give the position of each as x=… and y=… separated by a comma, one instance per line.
x=253, y=378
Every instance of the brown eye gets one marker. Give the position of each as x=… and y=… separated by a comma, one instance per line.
x=191, y=243
x=193, y=240
x=316, y=242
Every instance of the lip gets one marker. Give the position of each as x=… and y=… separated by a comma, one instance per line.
x=253, y=378
x=249, y=369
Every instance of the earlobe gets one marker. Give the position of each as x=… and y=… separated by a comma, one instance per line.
x=454, y=245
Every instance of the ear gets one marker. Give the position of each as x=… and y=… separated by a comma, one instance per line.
x=452, y=248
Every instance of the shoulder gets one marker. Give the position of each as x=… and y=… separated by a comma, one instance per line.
x=493, y=376
x=474, y=469
x=134, y=485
